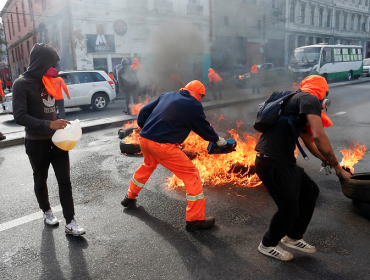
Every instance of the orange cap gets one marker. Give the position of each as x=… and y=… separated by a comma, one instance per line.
x=196, y=86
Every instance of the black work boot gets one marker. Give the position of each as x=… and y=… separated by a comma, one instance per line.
x=200, y=224
x=128, y=202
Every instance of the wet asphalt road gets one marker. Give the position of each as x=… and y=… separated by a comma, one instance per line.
x=151, y=242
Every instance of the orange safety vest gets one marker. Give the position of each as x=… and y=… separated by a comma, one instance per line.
x=111, y=76
x=254, y=69
x=58, y=85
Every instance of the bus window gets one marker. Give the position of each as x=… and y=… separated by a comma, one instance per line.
x=338, y=55
x=353, y=54
x=359, y=53
x=327, y=55
x=345, y=55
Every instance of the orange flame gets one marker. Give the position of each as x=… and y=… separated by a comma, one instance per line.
x=217, y=169
x=352, y=155
x=133, y=138
x=135, y=109
x=239, y=124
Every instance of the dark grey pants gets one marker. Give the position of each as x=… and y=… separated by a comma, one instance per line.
x=59, y=104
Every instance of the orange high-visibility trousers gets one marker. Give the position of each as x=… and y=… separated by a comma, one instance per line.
x=171, y=157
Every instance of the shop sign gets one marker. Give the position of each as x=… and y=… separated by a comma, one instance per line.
x=100, y=43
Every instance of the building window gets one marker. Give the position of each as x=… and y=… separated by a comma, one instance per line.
x=303, y=13
x=226, y=20
x=328, y=18
x=352, y=22
x=312, y=15
x=337, y=17
x=310, y=40
x=24, y=15
x=321, y=15
x=292, y=12
x=10, y=33
x=345, y=17
x=11, y=19
x=359, y=23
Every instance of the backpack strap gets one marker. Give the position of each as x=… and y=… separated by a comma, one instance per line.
x=295, y=133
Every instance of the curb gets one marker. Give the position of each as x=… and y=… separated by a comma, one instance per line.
x=17, y=138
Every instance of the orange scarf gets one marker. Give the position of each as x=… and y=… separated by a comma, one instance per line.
x=49, y=85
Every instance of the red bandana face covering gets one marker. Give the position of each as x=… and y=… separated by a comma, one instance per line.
x=52, y=72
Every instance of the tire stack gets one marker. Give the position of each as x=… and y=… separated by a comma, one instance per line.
x=358, y=189
x=128, y=148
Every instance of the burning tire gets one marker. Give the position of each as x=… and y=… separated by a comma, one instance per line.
x=122, y=133
x=358, y=187
x=130, y=149
x=363, y=208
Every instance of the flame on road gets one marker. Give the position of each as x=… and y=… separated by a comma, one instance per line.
x=352, y=155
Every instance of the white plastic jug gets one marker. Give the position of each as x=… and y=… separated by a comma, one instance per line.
x=67, y=138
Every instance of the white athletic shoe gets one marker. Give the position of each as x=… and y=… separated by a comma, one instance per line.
x=50, y=219
x=74, y=229
x=275, y=252
x=300, y=245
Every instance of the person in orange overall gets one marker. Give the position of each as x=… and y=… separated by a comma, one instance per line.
x=216, y=83
x=111, y=76
x=2, y=136
x=255, y=81
x=59, y=100
x=174, y=81
x=166, y=123
x=9, y=84
x=136, y=64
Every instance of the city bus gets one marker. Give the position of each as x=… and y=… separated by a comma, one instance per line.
x=329, y=61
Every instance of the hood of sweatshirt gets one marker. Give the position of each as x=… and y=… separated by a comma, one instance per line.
x=42, y=57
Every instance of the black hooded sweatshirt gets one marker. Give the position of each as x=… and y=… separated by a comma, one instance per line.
x=127, y=79
x=33, y=107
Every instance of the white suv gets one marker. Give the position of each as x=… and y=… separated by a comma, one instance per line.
x=88, y=89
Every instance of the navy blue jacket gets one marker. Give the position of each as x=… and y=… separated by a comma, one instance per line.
x=171, y=118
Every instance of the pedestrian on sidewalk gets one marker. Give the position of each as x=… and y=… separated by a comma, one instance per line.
x=2, y=136
x=216, y=83
x=128, y=83
x=34, y=108
x=293, y=191
x=111, y=76
x=9, y=84
x=59, y=99
x=166, y=123
x=255, y=79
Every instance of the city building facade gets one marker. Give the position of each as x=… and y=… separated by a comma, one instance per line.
x=4, y=66
x=326, y=21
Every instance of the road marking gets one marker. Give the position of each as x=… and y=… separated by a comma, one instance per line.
x=27, y=219
x=340, y=113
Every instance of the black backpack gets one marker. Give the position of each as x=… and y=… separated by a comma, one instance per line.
x=269, y=114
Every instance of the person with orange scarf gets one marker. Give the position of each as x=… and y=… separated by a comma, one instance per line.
x=34, y=107
x=294, y=192
x=165, y=124
x=216, y=83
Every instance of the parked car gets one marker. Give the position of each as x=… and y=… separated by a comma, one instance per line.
x=366, y=67
x=8, y=104
x=88, y=89
x=268, y=74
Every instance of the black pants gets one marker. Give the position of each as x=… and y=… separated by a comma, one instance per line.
x=255, y=82
x=217, y=88
x=131, y=96
x=295, y=195
x=59, y=104
x=41, y=154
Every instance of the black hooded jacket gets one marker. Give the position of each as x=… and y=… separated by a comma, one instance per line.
x=127, y=79
x=33, y=107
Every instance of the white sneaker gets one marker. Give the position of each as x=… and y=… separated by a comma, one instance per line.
x=74, y=228
x=275, y=252
x=300, y=245
x=50, y=219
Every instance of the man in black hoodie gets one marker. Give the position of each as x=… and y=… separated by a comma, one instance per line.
x=128, y=83
x=34, y=108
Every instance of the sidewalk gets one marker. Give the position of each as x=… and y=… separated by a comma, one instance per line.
x=230, y=97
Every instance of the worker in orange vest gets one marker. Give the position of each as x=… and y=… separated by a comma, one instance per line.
x=255, y=81
x=111, y=76
x=136, y=65
x=9, y=84
x=165, y=124
x=59, y=100
x=216, y=83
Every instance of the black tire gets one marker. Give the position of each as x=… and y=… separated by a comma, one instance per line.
x=350, y=76
x=99, y=101
x=356, y=77
x=85, y=107
x=363, y=208
x=130, y=149
x=122, y=133
x=358, y=187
